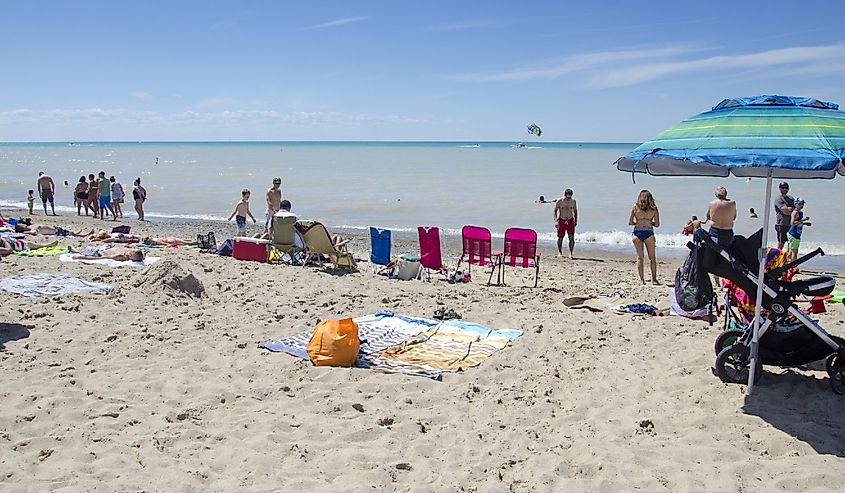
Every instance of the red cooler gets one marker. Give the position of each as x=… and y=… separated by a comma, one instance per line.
x=244, y=248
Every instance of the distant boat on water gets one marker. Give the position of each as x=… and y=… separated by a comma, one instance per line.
x=521, y=145
x=471, y=145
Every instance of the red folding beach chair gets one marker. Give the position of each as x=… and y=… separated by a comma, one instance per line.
x=520, y=251
x=430, y=257
x=477, y=249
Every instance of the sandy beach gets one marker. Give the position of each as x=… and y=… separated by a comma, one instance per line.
x=153, y=388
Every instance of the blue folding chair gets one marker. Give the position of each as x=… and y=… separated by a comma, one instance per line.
x=380, y=250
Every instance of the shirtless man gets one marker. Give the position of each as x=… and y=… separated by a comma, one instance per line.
x=274, y=200
x=119, y=253
x=721, y=212
x=46, y=189
x=566, y=218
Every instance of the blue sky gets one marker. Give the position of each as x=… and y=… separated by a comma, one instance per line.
x=435, y=70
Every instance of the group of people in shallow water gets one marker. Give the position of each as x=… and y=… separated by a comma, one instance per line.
x=721, y=214
x=103, y=196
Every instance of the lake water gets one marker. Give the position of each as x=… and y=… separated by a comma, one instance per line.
x=402, y=185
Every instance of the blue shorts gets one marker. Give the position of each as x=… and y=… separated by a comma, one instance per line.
x=105, y=202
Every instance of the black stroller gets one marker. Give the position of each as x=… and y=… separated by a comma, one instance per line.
x=788, y=337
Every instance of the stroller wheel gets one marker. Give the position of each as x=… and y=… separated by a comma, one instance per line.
x=837, y=376
x=734, y=363
x=727, y=339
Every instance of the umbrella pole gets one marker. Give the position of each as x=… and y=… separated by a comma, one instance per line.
x=758, y=309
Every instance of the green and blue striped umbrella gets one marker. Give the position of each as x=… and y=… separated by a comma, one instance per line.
x=762, y=136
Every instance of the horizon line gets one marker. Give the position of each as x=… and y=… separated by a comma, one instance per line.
x=399, y=141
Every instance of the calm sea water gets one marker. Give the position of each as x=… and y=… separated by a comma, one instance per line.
x=402, y=185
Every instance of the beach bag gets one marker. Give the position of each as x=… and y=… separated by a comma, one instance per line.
x=121, y=229
x=225, y=248
x=207, y=243
x=693, y=290
x=334, y=343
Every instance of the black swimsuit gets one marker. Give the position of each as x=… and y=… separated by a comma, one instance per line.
x=135, y=194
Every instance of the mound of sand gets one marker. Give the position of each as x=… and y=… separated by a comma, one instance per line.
x=169, y=276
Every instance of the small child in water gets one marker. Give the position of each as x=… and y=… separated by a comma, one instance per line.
x=241, y=212
x=30, y=201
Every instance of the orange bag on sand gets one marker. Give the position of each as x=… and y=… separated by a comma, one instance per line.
x=334, y=343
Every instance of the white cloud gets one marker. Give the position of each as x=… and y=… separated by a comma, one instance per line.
x=553, y=69
x=797, y=60
x=334, y=23
x=141, y=95
x=635, y=66
x=124, y=118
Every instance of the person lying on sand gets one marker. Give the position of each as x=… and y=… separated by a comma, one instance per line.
x=104, y=237
x=9, y=245
x=119, y=253
x=47, y=230
x=170, y=241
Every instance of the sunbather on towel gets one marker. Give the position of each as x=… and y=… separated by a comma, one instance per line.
x=119, y=253
x=47, y=230
x=9, y=245
x=170, y=241
x=104, y=237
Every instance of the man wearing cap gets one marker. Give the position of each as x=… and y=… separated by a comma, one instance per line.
x=784, y=205
x=274, y=200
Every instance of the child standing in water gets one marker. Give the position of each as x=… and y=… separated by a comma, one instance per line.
x=241, y=212
x=30, y=201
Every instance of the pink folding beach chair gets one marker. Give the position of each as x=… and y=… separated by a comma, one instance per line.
x=477, y=249
x=430, y=257
x=520, y=251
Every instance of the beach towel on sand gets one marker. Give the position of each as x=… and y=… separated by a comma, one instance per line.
x=452, y=346
x=43, y=252
x=43, y=284
x=414, y=346
x=376, y=332
x=68, y=257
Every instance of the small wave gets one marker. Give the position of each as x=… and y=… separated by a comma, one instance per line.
x=21, y=206
x=188, y=217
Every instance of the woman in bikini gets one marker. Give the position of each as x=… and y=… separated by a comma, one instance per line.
x=644, y=218
x=80, y=194
x=139, y=194
x=92, y=202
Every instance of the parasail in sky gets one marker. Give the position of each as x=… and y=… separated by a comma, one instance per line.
x=535, y=130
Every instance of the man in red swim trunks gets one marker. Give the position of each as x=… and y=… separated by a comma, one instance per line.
x=566, y=218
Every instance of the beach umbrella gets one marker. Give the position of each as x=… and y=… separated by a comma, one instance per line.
x=772, y=137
